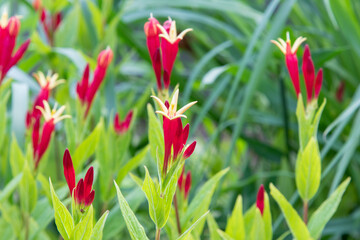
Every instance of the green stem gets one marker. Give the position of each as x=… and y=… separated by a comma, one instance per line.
x=157, y=233
x=177, y=214
x=305, y=216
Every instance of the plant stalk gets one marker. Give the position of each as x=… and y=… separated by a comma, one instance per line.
x=157, y=233
x=177, y=214
x=305, y=215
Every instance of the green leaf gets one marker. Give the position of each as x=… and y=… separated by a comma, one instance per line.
x=200, y=203
x=224, y=235
x=133, y=163
x=135, y=229
x=295, y=223
x=66, y=35
x=308, y=170
x=235, y=226
x=87, y=147
x=63, y=220
x=327, y=209
x=84, y=228
x=257, y=231
x=156, y=137
x=17, y=159
x=28, y=191
x=213, y=227
x=185, y=235
x=97, y=232
x=10, y=187
x=267, y=218
x=159, y=204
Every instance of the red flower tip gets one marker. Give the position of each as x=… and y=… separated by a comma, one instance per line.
x=260, y=199
x=122, y=126
x=150, y=28
x=89, y=198
x=187, y=184
x=189, y=150
x=167, y=25
x=340, y=91
x=14, y=26
x=69, y=171
x=82, y=87
x=308, y=72
x=37, y=4
x=105, y=57
x=318, y=83
x=79, y=192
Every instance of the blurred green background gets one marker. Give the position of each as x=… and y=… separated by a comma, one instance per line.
x=245, y=117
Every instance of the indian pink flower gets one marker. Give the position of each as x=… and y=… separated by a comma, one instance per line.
x=86, y=92
x=313, y=85
x=175, y=136
x=152, y=32
x=82, y=193
x=122, y=126
x=47, y=83
x=9, y=30
x=169, y=48
x=184, y=183
x=41, y=142
x=260, y=199
x=291, y=58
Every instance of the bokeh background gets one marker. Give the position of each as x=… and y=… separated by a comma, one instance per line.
x=245, y=116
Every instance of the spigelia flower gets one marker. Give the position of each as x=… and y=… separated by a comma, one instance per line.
x=291, y=58
x=86, y=92
x=169, y=47
x=47, y=83
x=313, y=85
x=260, y=199
x=152, y=32
x=122, y=126
x=49, y=21
x=9, y=30
x=82, y=193
x=184, y=183
x=175, y=136
x=41, y=143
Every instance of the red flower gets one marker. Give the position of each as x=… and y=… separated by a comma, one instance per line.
x=184, y=186
x=313, y=85
x=291, y=58
x=87, y=92
x=340, y=91
x=175, y=136
x=260, y=199
x=153, y=44
x=47, y=84
x=122, y=126
x=9, y=29
x=40, y=144
x=83, y=193
x=169, y=47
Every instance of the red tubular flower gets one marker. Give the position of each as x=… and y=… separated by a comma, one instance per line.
x=291, y=58
x=153, y=44
x=260, y=199
x=340, y=91
x=47, y=84
x=87, y=92
x=40, y=144
x=9, y=29
x=122, y=126
x=169, y=47
x=83, y=193
x=175, y=136
x=184, y=186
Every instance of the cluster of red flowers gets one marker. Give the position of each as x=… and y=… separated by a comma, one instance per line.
x=9, y=30
x=121, y=127
x=83, y=193
x=85, y=91
x=313, y=84
x=49, y=21
x=163, y=53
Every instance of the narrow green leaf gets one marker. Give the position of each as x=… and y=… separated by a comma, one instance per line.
x=17, y=159
x=97, y=232
x=63, y=219
x=308, y=170
x=185, y=235
x=267, y=218
x=295, y=223
x=327, y=209
x=235, y=226
x=28, y=191
x=224, y=235
x=213, y=227
x=156, y=138
x=10, y=187
x=135, y=229
x=257, y=231
x=84, y=228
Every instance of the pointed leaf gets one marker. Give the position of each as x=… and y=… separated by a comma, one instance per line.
x=213, y=227
x=235, y=226
x=97, y=232
x=84, y=228
x=156, y=137
x=185, y=235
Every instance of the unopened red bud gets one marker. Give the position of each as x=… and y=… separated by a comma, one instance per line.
x=189, y=150
x=105, y=57
x=187, y=184
x=318, y=83
x=150, y=28
x=260, y=199
x=14, y=26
